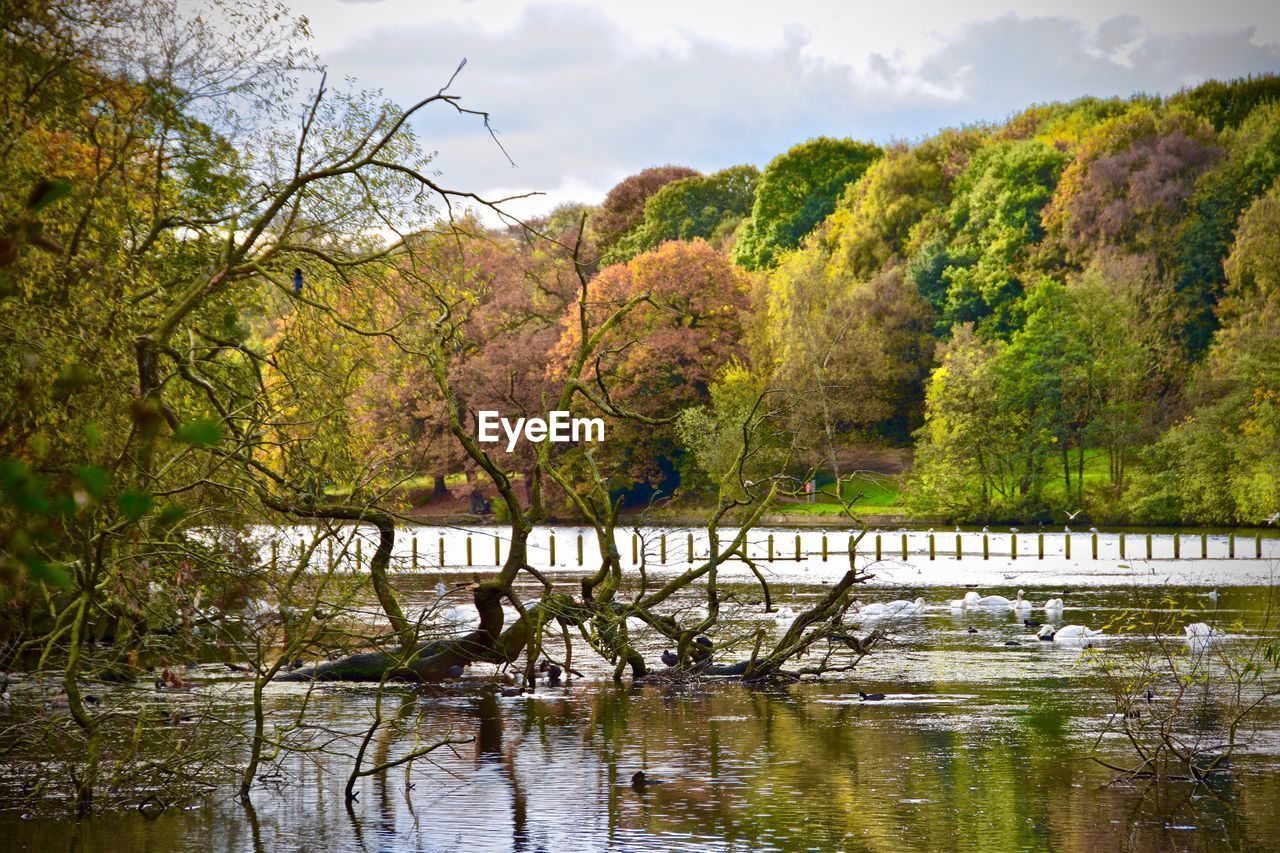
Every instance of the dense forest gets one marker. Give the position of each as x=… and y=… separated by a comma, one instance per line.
x=1074, y=308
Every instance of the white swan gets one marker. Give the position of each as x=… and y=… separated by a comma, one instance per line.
x=970, y=599
x=1074, y=634
x=1199, y=636
x=1052, y=604
x=994, y=601
x=900, y=607
x=1021, y=603
x=785, y=616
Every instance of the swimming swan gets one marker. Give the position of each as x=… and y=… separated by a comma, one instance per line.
x=1052, y=605
x=900, y=607
x=970, y=599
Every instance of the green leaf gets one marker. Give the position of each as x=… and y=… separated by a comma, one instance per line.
x=134, y=504
x=52, y=573
x=46, y=192
x=170, y=515
x=94, y=480
x=202, y=433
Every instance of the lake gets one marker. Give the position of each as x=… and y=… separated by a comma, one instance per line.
x=977, y=745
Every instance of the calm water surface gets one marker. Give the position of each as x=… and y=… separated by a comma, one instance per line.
x=978, y=746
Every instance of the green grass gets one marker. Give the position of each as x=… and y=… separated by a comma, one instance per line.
x=871, y=496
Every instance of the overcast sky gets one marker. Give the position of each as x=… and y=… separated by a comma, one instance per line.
x=584, y=94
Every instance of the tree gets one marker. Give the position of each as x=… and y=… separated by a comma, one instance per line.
x=797, y=190
x=707, y=207
x=994, y=221
x=1249, y=165
x=623, y=206
x=664, y=355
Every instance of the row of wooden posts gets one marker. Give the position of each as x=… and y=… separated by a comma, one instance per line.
x=800, y=555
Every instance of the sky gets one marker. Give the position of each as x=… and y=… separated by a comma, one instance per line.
x=584, y=94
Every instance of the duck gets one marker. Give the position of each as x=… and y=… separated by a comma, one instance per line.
x=639, y=781
x=1052, y=604
x=870, y=697
x=670, y=658
x=552, y=671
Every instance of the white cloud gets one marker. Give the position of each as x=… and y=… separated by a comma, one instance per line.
x=584, y=95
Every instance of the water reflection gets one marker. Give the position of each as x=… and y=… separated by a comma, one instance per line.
x=978, y=746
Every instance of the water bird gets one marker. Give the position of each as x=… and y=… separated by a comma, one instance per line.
x=870, y=697
x=1212, y=596
x=1273, y=518
x=972, y=630
x=704, y=641
x=639, y=781
x=1069, y=633
x=670, y=658
x=994, y=601
x=1021, y=603
x=454, y=671
x=552, y=670
x=1071, y=516
x=1093, y=530
x=1013, y=530
x=900, y=607
x=1012, y=643
x=1052, y=604
x=1031, y=623
x=511, y=692
x=970, y=599
x=441, y=590
x=985, y=529
x=1199, y=635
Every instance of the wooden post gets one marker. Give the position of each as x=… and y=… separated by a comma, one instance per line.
x=690, y=547
x=440, y=546
x=662, y=550
x=797, y=547
x=579, y=549
x=1066, y=544
x=824, y=547
x=1204, y=546
x=1122, y=555
x=414, y=562
x=497, y=551
x=468, y=549
x=853, y=549
x=1257, y=546
x=1040, y=544
x=1177, y=546
x=770, y=547
x=959, y=547
x=552, y=545
x=1148, y=546
x=635, y=550
x=1231, y=545
x=904, y=546
x=878, y=554
x=1013, y=546
x=1094, y=538
x=931, y=547
x=986, y=547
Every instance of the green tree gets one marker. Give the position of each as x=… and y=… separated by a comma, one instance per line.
x=798, y=190
x=994, y=221
x=708, y=207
